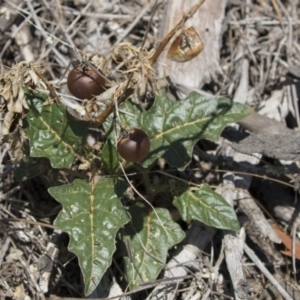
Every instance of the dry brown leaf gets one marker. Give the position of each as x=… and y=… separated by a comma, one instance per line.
x=15, y=107
x=8, y=119
x=14, y=255
x=19, y=293
x=288, y=242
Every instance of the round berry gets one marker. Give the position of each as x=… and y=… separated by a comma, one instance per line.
x=134, y=146
x=85, y=83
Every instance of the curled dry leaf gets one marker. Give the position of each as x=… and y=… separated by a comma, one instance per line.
x=134, y=67
x=14, y=105
x=288, y=242
x=12, y=83
x=136, y=63
x=8, y=119
x=186, y=46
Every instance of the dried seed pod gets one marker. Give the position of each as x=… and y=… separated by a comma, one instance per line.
x=186, y=46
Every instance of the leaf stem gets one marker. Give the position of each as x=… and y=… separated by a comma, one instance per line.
x=146, y=180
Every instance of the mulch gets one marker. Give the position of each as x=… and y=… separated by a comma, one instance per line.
x=258, y=159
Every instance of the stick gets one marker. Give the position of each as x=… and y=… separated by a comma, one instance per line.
x=265, y=271
x=103, y=116
x=48, y=84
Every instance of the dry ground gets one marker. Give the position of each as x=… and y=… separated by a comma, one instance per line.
x=252, y=55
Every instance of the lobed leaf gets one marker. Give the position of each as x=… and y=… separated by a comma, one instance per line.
x=91, y=215
x=35, y=99
x=29, y=167
x=174, y=127
x=109, y=156
x=54, y=134
x=208, y=207
x=149, y=236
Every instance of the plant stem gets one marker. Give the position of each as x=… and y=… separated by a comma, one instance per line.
x=128, y=91
x=146, y=180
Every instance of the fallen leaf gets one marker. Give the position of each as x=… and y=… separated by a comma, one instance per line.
x=288, y=242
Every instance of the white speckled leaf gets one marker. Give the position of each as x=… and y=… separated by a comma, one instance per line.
x=149, y=240
x=92, y=216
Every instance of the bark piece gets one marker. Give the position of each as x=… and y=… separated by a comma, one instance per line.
x=257, y=123
x=208, y=23
x=267, y=137
x=233, y=244
x=279, y=146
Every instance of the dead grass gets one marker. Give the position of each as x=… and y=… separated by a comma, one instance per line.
x=259, y=62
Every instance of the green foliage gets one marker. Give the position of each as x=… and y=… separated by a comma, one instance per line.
x=29, y=168
x=54, y=134
x=149, y=235
x=206, y=206
x=110, y=156
x=35, y=99
x=174, y=127
x=92, y=215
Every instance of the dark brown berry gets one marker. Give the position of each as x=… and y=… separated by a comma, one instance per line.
x=85, y=83
x=134, y=146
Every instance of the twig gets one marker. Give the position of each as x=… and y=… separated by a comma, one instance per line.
x=169, y=36
x=38, y=24
x=206, y=294
x=103, y=116
x=28, y=222
x=134, y=22
x=278, y=11
x=110, y=107
x=232, y=244
x=4, y=249
x=294, y=230
x=48, y=84
x=65, y=31
x=265, y=271
x=149, y=24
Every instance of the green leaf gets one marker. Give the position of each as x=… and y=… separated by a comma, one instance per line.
x=29, y=168
x=110, y=156
x=149, y=238
x=91, y=215
x=54, y=134
x=208, y=207
x=35, y=99
x=174, y=127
